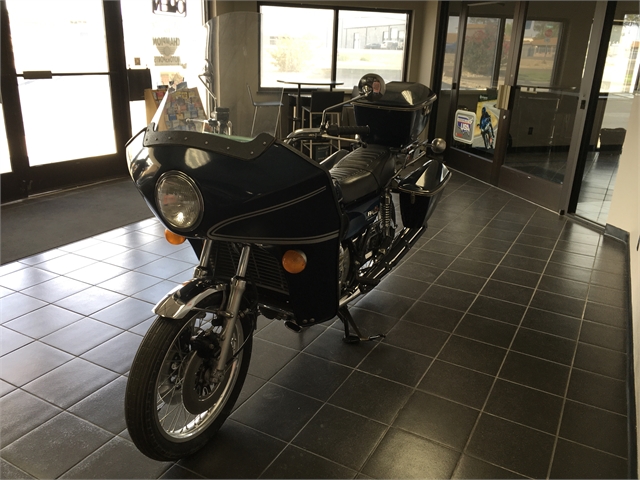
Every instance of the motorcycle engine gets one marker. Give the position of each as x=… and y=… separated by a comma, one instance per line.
x=344, y=260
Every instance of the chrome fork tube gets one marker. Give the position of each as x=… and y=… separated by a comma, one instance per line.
x=238, y=285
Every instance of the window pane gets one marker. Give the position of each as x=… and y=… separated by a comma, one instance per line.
x=295, y=44
x=62, y=36
x=621, y=69
x=479, y=56
x=74, y=111
x=370, y=42
x=538, y=57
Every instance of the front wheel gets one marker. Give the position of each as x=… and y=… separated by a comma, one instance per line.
x=175, y=402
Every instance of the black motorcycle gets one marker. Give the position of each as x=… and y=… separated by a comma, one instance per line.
x=277, y=233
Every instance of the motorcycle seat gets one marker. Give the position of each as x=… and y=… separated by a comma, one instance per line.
x=363, y=172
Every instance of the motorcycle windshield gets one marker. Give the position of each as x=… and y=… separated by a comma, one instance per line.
x=224, y=99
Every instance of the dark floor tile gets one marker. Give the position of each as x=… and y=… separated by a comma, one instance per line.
x=405, y=287
x=69, y=383
x=604, y=336
x=469, y=467
x=294, y=462
x=56, y=446
x=21, y=413
x=606, y=314
x=81, y=336
x=130, y=464
x=418, y=271
x=276, y=332
x=433, y=259
x=509, y=445
x=448, y=297
x=497, y=309
x=594, y=427
x=31, y=361
x=516, y=276
x=574, y=259
x=414, y=337
x=457, y=383
x=125, y=314
x=525, y=405
x=56, y=289
x=270, y=409
x=472, y=267
x=10, y=340
x=474, y=355
x=498, y=234
x=329, y=345
x=90, y=300
x=507, y=292
x=486, y=330
x=482, y=255
x=551, y=302
x=389, y=396
x=104, y=407
x=543, y=345
x=339, y=443
x=177, y=472
x=396, y=364
x=536, y=373
x=268, y=358
x=386, y=304
x=461, y=281
x=530, y=251
x=126, y=344
x=572, y=460
x=536, y=241
x=563, y=286
x=164, y=267
x=598, y=390
x=312, y=376
x=506, y=225
x=435, y=316
x=608, y=296
x=251, y=385
x=227, y=454
x=601, y=360
x=579, y=248
x=523, y=263
x=553, y=323
x=11, y=472
x=17, y=304
x=413, y=457
x=437, y=419
x=369, y=322
x=492, y=244
x=444, y=247
x=43, y=321
x=616, y=281
x=569, y=272
x=6, y=388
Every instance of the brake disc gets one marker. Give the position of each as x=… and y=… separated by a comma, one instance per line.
x=200, y=388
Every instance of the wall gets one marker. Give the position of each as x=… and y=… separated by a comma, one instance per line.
x=625, y=214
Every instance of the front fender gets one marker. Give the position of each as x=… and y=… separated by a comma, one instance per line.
x=191, y=295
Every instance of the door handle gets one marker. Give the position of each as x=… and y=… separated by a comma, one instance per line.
x=504, y=97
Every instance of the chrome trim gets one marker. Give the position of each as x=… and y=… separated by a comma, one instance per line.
x=192, y=184
x=176, y=304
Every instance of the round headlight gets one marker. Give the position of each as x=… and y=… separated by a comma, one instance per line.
x=179, y=200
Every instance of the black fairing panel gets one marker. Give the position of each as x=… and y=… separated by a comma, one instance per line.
x=278, y=198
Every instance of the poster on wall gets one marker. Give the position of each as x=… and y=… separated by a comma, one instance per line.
x=464, y=127
x=181, y=107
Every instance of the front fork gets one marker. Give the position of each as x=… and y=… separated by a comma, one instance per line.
x=237, y=288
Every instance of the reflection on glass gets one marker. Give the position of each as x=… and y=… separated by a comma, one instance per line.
x=5, y=163
x=62, y=36
x=67, y=118
x=546, y=99
x=619, y=80
x=370, y=42
x=295, y=44
x=480, y=53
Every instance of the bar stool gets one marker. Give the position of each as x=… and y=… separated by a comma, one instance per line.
x=319, y=102
x=257, y=105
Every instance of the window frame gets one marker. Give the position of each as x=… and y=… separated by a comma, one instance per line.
x=334, y=48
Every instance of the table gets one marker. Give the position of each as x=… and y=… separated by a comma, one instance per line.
x=297, y=119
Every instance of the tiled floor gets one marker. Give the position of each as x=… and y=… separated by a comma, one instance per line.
x=505, y=357
x=598, y=182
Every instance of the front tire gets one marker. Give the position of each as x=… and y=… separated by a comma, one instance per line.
x=160, y=424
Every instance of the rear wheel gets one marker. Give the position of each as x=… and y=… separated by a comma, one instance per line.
x=175, y=402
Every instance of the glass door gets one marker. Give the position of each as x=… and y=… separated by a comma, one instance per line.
x=64, y=94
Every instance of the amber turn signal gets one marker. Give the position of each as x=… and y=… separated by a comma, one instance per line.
x=294, y=261
x=173, y=238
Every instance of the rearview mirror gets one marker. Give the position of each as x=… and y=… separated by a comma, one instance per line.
x=372, y=84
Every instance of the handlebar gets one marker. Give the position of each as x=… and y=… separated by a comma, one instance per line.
x=335, y=130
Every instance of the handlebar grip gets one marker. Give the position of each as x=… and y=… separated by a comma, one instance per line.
x=335, y=130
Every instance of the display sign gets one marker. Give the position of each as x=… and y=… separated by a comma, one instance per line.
x=169, y=7
x=464, y=127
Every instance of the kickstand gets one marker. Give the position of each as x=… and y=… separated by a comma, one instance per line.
x=347, y=319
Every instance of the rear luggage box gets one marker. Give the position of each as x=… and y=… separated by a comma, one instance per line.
x=398, y=117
